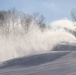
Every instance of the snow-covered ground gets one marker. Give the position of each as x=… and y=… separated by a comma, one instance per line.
x=52, y=52
x=60, y=63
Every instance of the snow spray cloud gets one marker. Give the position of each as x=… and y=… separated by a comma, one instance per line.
x=37, y=41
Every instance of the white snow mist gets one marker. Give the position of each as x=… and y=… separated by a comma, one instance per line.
x=37, y=41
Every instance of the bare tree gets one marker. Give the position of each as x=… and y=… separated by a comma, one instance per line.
x=73, y=14
x=1, y=18
x=26, y=21
x=11, y=19
x=41, y=22
x=14, y=19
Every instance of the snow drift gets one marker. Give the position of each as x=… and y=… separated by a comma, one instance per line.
x=37, y=41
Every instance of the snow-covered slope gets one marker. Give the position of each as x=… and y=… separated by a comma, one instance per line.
x=56, y=63
x=52, y=52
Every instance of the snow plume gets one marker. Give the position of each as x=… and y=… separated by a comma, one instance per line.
x=63, y=24
x=37, y=41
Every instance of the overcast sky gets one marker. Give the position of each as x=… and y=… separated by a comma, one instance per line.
x=51, y=9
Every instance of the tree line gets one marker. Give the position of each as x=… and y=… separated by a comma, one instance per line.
x=14, y=22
